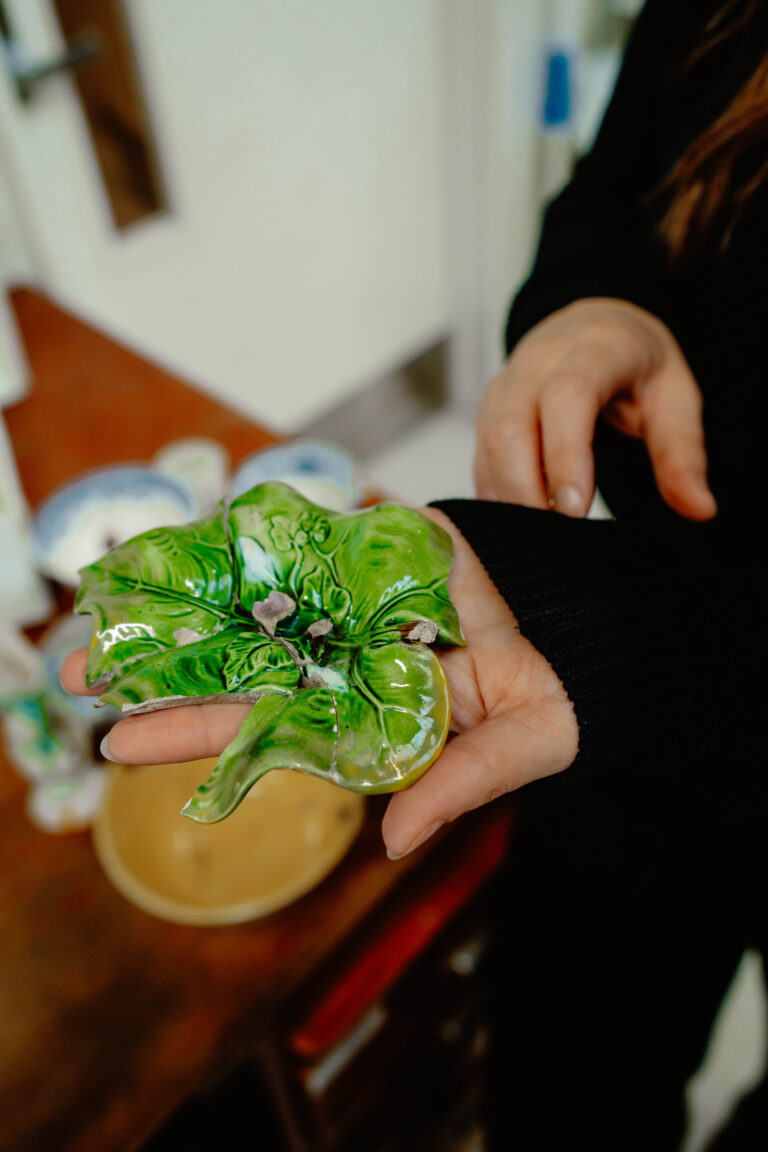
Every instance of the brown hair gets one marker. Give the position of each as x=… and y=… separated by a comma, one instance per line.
x=704, y=185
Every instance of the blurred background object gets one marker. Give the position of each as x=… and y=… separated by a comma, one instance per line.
x=51, y=738
x=290, y=202
x=317, y=213
x=82, y=519
x=24, y=597
x=284, y=838
x=323, y=473
x=200, y=462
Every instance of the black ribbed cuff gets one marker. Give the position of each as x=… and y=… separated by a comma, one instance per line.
x=629, y=624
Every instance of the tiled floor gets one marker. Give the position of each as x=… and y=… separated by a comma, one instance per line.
x=432, y=461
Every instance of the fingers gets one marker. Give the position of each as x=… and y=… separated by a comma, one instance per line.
x=537, y=425
x=168, y=736
x=577, y=389
x=508, y=461
x=569, y=407
x=498, y=756
x=73, y=674
x=175, y=735
x=674, y=436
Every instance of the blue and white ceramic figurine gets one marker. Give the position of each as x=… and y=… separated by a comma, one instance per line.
x=101, y=509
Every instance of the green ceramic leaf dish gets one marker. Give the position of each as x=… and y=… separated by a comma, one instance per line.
x=321, y=619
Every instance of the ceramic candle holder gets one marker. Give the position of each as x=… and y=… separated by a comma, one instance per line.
x=321, y=620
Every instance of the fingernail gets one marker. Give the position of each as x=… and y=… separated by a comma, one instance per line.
x=705, y=492
x=422, y=839
x=568, y=500
x=104, y=749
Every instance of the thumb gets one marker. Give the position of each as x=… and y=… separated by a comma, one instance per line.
x=498, y=756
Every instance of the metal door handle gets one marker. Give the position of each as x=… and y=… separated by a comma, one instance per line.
x=27, y=73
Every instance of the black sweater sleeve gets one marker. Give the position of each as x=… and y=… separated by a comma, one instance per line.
x=658, y=643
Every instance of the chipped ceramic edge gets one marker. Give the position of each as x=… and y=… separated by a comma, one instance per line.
x=179, y=701
x=106, y=678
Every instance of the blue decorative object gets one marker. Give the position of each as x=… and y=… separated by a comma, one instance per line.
x=557, y=109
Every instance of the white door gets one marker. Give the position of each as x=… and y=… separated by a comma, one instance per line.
x=302, y=250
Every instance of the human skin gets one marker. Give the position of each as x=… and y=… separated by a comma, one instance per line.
x=598, y=356
x=511, y=719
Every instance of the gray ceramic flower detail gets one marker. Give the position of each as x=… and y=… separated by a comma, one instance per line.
x=320, y=619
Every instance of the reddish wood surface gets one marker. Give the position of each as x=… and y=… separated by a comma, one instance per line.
x=94, y=402
x=110, y=1018
x=400, y=935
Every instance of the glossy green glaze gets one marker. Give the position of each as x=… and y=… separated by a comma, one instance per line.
x=321, y=619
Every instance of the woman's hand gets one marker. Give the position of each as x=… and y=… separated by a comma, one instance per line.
x=513, y=719
x=597, y=356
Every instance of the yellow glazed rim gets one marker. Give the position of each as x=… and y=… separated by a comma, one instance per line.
x=287, y=835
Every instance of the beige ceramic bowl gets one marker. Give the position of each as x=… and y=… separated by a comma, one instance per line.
x=288, y=833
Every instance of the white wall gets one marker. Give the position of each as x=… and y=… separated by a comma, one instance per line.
x=491, y=55
x=14, y=264
x=502, y=166
x=511, y=195
x=301, y=142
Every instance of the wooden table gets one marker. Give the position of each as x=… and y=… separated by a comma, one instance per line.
x=110, y=1018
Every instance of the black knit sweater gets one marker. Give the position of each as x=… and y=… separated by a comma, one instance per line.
x=655, y=625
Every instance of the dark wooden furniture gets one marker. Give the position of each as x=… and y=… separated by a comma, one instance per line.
x=111, y=1021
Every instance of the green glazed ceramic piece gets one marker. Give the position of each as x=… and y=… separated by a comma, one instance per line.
x=321, y=619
